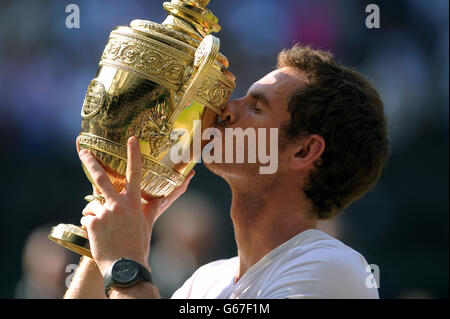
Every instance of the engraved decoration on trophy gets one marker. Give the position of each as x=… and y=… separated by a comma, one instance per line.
x=95, y=97
x=153, y=81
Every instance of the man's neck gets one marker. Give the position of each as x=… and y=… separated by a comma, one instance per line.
x=264, y=219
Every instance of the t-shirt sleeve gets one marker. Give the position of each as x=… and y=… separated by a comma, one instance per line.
x=322, y=273
x=202, y=280
x=184, y=292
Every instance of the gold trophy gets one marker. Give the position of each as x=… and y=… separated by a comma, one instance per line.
x=153, y=81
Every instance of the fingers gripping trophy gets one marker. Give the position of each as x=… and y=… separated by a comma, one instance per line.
x=153, y=82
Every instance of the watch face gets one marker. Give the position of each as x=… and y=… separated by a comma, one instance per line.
x=124, y=271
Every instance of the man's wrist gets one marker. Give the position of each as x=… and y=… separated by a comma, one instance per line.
x=142, y=289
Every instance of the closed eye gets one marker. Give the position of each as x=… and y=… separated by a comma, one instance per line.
x=256, y=109
x=259, y=101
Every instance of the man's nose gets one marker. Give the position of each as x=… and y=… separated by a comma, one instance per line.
x=229, y=114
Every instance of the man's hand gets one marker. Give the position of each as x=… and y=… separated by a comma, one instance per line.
x=122, y=226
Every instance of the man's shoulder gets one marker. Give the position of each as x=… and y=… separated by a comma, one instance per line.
x=323, y=250
x=322, y=245
x=214, y=274
x=322, y=264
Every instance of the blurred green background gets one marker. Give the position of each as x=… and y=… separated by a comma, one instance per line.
x=45, y=68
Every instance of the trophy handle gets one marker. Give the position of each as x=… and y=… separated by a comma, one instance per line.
x=205, y=55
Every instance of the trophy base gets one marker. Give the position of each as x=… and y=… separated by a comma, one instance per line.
x=71, y=237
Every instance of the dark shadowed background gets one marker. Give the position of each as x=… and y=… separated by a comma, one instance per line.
x=45, y=68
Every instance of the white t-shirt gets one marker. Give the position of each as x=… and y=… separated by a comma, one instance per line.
x=312, y=264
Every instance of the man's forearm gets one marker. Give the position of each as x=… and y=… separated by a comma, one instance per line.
x=87, y=282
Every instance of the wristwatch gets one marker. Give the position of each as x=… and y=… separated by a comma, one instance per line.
x=125, y=273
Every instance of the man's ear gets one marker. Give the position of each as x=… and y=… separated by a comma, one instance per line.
x=308, y=150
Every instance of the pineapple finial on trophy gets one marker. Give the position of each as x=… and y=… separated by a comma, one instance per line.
x=197, y=3
x=191, y=16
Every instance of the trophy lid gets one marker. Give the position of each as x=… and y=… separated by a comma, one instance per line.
x=188, y=22
x=193, y=12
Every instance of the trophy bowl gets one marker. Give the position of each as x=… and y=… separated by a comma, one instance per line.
x=157, y=82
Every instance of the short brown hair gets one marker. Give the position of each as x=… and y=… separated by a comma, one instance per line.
x=340, y=105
